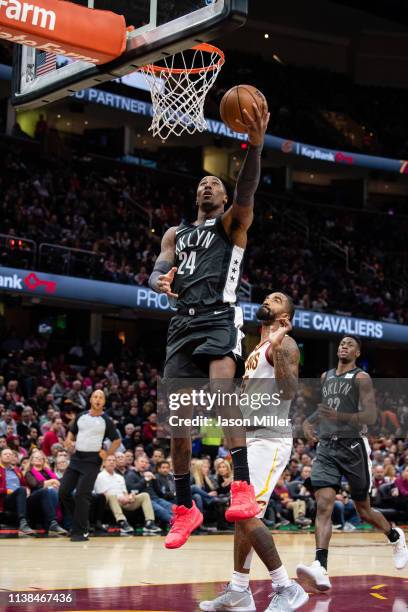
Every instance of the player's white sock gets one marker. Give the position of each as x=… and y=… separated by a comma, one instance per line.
x=280, y=577
x=239, y=582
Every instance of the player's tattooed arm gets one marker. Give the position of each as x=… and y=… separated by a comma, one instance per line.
x=164, y=270
x=284, y=353
x=238, y=218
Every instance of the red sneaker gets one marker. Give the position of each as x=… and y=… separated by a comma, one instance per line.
x=243, y=503
x=184, y=522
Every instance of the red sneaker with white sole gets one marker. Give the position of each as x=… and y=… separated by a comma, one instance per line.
x=243, y=503
x=185, y=521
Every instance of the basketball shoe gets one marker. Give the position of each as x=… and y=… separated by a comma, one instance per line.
x=243, y=503
x=230, y=599
x=400, y=550
x=184, y=522
x=314, y=575
x=288, y=598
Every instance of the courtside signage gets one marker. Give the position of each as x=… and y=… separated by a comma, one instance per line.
x=41, y=284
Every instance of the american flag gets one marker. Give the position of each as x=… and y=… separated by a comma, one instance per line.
x=45, y=62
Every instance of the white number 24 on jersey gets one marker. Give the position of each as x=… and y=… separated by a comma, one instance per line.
x=188, y=262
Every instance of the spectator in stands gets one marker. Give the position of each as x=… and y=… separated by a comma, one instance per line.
x=29, y=374
x=300, y=488
x=379, y=477
x=298, y=506
x=345, y=515
x=157, y=456
x=150, y=428
x=129, y=458
x=6, y=420
x=141, y=480
x=60, y=388
x=294, y=469
x=52, y=436
x=44, y=485
x=2, y=388
x=163, y=484
x=127, y=439
x=77, y=396
x=113, y=486
x=121, y=467
x=26, y=423
x=111, y=375
x=61, y=464
x=13, y=443
x=13, y=494
x=224, y=478
x=400, y=492
x=134, y=418
x=203, y=486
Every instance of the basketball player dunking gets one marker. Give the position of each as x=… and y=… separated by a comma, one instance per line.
x=348, y=407
x=204, y=337
x=275, y=359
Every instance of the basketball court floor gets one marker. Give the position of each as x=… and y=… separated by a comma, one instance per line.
x=135, y=574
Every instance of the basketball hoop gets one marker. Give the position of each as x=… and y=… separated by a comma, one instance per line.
x=179, y=88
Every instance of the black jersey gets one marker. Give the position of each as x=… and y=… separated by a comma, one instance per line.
x=209, y=267
x=341, y=392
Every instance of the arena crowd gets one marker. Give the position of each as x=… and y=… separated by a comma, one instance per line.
x=118, y=219
x=40, y=396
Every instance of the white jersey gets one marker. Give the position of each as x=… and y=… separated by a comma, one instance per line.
x=259, y=384
x=270, y=444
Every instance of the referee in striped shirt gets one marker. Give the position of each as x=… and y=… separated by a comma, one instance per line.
x=89, y=430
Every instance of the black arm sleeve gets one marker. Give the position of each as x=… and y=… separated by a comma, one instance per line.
x=111, y=431
x=160, y=268
x=248, y=178
x=73, y=427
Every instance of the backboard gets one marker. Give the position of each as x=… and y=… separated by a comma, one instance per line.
x=161, y=28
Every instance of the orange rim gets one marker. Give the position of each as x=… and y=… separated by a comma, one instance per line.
x=201, y=47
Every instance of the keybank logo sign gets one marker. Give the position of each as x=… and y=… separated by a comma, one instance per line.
x=314, y=153
x=32, y=282
x=28, y=13
x=11, y=282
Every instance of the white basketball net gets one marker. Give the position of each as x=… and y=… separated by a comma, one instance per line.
x=179, y=90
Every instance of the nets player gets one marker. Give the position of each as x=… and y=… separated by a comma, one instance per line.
x=348, y=407
x=276, y=360
x=200, y=265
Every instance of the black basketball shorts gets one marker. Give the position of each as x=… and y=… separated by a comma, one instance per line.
x=195, y=340
x=348, y=457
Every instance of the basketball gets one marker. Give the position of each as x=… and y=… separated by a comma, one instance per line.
x=235, y=100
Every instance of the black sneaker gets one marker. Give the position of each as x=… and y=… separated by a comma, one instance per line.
x=151, y=528
x=125, y=528
x=24, y=528
x=54, y=528
x=79, y=537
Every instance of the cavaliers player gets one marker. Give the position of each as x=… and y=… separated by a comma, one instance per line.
x=348, y=407
x=275, y=360
x=200, y=266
